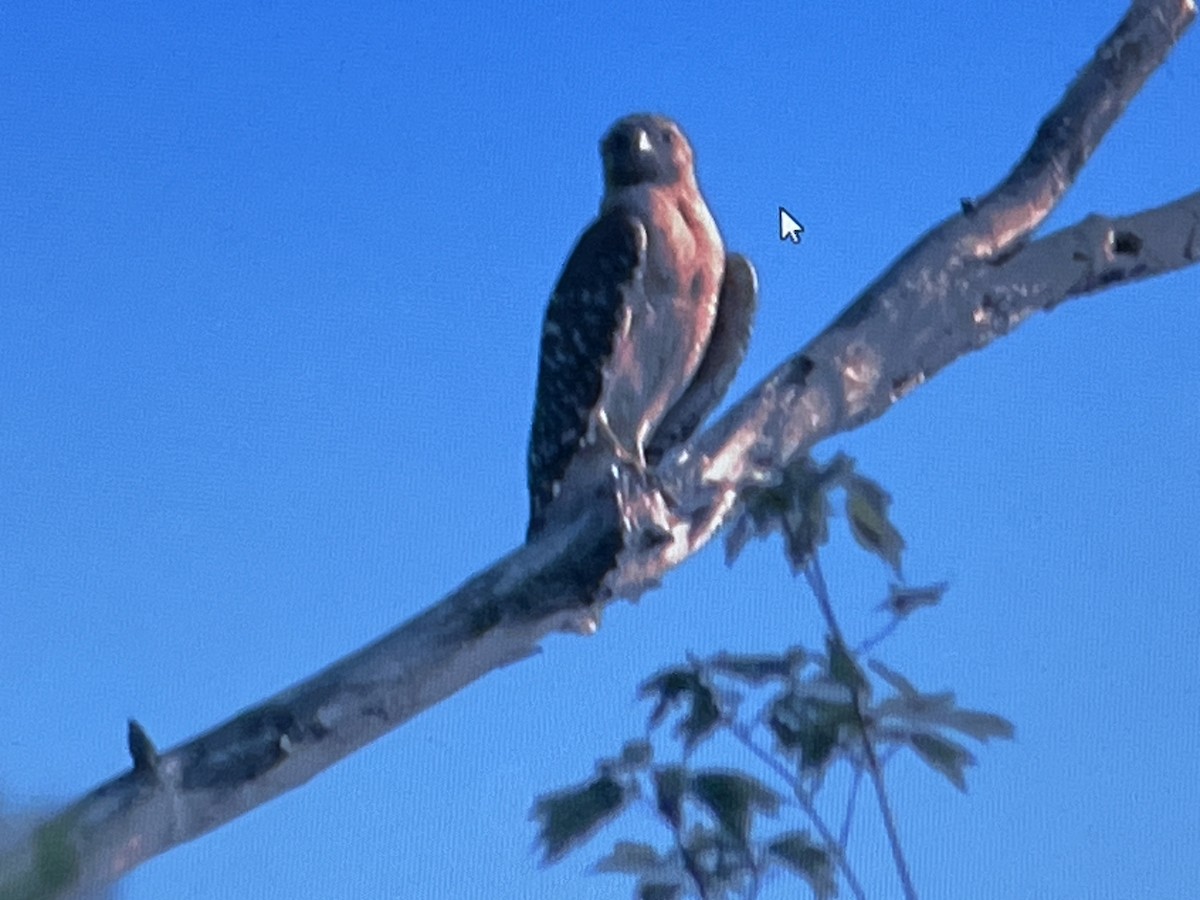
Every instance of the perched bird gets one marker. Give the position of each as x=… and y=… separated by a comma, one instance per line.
x=646, y=327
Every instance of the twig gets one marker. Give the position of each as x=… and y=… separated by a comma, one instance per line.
x=816, y=581
x=743, y=735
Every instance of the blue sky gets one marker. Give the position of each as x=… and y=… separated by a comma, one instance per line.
x=271, y=283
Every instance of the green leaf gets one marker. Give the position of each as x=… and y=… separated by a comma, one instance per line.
x=844, y=669
x=920, y=711
x=569, y=817
x=666, y=688
x=810, y=861
x=815, y=744
x=944, y=756
x=796, y=506
x=632, y=858
x=675, y=686
x=867, y=510
x=737, y=536
x=656, y=890
x=810, y=720
x=805, y=529
x=980, y=725
x=717, y=861
x=903, y=601
x=733, y=798
x=670, y=782
x=760, y=669
x=659, y=875
x=894, y=678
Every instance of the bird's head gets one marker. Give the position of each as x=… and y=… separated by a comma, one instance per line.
x=645, y=149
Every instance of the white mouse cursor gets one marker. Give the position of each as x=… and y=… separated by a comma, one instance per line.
x=789, y=228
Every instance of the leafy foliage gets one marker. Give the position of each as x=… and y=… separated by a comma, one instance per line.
x=800, y=711
x=733, y=798
x=797, y=851
x=571, y=816
x=659, y=874
x=716, y=815
x=904, y=600
x=670, y=790
x=759, y=669
x=797, y=506
x=689, y=687
x=867, y=507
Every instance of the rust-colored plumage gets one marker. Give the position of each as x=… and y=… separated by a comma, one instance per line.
x=647, y=324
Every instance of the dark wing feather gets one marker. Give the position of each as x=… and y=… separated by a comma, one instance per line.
x=577, y=339
x=736, y=306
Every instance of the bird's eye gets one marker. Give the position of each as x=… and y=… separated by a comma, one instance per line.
x=668, y=138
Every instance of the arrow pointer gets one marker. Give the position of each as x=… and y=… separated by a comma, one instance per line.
x=789, y=228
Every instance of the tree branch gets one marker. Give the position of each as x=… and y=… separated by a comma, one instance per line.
x=971, y=279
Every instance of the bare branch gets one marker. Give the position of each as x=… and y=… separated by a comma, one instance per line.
x=495, y=619
x=1071, y=132
x=927, y=310
x=816, y=583
x=969, y=280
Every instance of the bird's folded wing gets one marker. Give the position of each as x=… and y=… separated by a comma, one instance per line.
x=577, y=340
x=736, y=306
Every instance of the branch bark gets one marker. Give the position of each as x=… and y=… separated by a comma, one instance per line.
x=969, y=280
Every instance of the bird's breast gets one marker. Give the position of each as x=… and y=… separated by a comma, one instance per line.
x=671, y=313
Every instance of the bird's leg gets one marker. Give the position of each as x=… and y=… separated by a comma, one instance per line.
x=603, y=433
x=643, y=503
x=644, y=511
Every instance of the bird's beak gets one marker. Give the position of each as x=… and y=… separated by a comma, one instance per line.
x=642, y=142
x=629, y=154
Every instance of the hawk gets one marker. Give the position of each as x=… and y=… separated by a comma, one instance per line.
x=646, y=327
